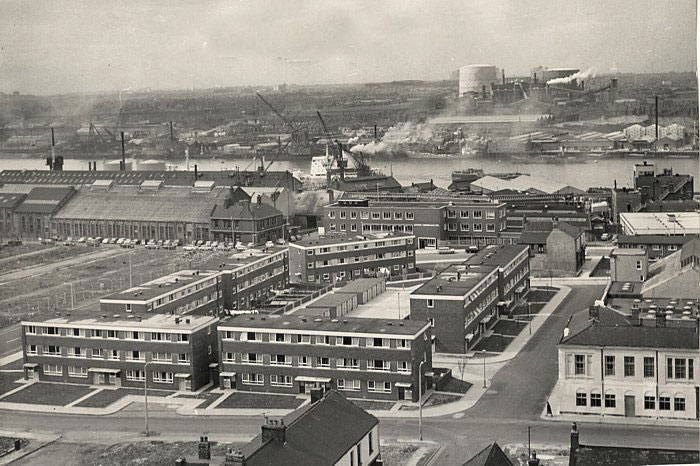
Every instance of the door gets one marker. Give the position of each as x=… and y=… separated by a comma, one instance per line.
x=629, y=406
x=302, y=387
x=402, y=393
x=30, y=373
x=183, y=385
x=226, y=382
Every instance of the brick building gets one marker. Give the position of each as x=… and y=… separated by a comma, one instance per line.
x=656, y=246
x=556, y=248
x=339, y=257
x=464, y=301
x=246, y=221
x=434, y=222
x=8, y=202
x=363, y=358
x=93, y=349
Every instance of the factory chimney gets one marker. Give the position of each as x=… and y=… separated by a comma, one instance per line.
x=534, y=78
x=195, y=172
x=503, y=75
x=375, y=133
x=171, y=131
x=123, y=167
x=656, y=118
x=341, y=161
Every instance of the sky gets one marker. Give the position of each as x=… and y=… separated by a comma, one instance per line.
x=62, y=46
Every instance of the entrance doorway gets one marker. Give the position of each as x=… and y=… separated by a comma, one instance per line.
x=629, y=406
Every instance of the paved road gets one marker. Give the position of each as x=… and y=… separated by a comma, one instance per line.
x=514, y=402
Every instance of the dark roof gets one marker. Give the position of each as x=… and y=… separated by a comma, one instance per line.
x=534, y=237
x=245, y=210
x=538, y=232
x=652, y=239
x=318, y=434
x=612, y=328
x=569, y=229
x=331, y=300
x=358, y=285
x=10, y=200
x=492, y=455
x=594, y=455
x=44, y=200
x=538, y=226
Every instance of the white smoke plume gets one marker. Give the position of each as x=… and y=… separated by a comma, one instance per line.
x=403, y=133
x=589, y=73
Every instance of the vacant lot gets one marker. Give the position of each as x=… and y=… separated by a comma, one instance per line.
x=12, y=251
x=48, y=394
x=259, y=400
x=45, y=255
x=541, y=295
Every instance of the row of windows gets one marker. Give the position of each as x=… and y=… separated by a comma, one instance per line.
x=101, y=353
x=106, y=333
x=582, y=399
x=365, y=215
x=375, y=386
x=338, y=340
x=676, y=368
x=476, y=227
x=131, y=375
x=318, y=362
x=358, y=272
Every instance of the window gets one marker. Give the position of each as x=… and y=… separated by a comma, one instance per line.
x=490, y=214
x=398, y=215
x=409, y=215
x=113, y=354
x=52, y=350
x=579, y=364
x=134, y=336
x=252, y=379
x=679, y=403
x=53, y=369
x=280, y=380
x=348, y=385
x=183, y=358
x=112, y=334
x=305, y=339
x=374, y=386
x=50, y=331
x=161, y=357
x=252, y=358
x=323, y=362
x=629, y=366
x=98, y=353
x=609, y=365
x=159, y=336
x=403, y=343
x=331, y=214
x=30, y=329
x=431, y=303
x=347, y=341
x=490, y=227
x=183, y=337
x=682, y=369
x=77, y=372
x=163, y=377
x=304, y=361
x=135, y=356
x=76, y=352
x=280, y=360
x=283, y=338
x=595, y=400
x=135, y=375
x=32, y=350
x=386, y=215
x=649, y=402
x=464, y=227
x=371, y=446
x=648, y=367
x=665, y=403
x=353, y=214
x=464, y=214
x=639, y=265
x=477, y=214
x=581, y=399
x=403, y=367
x=477, y=227
x=343, y=214
x=610, y=400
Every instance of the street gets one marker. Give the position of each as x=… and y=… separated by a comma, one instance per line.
x=514, y=401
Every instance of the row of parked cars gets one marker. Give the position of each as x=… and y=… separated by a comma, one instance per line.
x=224, y=246
x=123, y=242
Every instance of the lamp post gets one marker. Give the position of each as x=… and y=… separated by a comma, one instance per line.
x=420, y=398
x=483, y=353
x=398, y=300
x=145, y=391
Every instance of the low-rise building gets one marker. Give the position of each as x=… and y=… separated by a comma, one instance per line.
x=329, y=431
x=245, y=221
x=331, y=305
x=363, y=358
x=8, y=202
x=656, y=246
x=339, y=257
x=33, y=217
x=366, y=289
x=464, y=301
x=556, y=248
x=660, y=223
x=99, y=349
x=675, y=276
x=629, y=265
x=637, y=365
x=184, y=292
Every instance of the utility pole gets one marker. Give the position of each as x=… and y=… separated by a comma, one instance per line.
x=528, y=442
x=529, y=319
x=483, y=353
x=398, y=300
x=420, y=399
x=145, y=392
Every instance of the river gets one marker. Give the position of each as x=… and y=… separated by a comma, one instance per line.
x=580, y=175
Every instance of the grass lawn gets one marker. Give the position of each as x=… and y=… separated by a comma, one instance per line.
x=7, y=381
x=107, y=397
x=509, y=327
x=13, y=366
x=10, y=251
x=49, y=394
x=523, y=311
x=9, y=442
x=396, y=455
x=208, y=400
x=260, y=400
x=456, y=386
x=152, y=453
x=374, y=404
x=494, y=344
x=437, y=399
x=541, y=295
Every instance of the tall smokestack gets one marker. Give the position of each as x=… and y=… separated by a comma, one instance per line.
x=341, y=162
x=534, y=78
x=53, y=149
x=172, y=138
x=123, y=153
x=195, y=172
x=656, y=111
x=375, y=133
x=503, y=75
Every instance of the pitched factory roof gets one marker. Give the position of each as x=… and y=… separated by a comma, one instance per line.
x=317, y=434
x=44, y=200
x=129, y=203
x=11, y=200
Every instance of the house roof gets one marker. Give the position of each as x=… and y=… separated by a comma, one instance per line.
x=492, y=455
x=652, y=239
x=245, y=210
x=317, y=434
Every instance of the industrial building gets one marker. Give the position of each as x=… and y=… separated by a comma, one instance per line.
x=361, y=357
x=113, y=350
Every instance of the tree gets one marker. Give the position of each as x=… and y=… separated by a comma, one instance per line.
x=462, y=365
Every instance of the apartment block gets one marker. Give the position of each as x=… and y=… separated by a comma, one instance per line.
x=183, y=292
x=339, y=257
x=612, y=364
x=363, y=358
x=465, y=300
x=123, y=350
x=476, y=220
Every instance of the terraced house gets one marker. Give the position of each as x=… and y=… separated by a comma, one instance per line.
x=363, y=358
x=123, y=350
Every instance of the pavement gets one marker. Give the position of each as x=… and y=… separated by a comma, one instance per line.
x=10, y=341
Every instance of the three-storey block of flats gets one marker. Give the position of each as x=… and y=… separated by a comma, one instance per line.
x=363, y=358
x=122, y=350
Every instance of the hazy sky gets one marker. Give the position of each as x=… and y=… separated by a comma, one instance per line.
x=77, y=45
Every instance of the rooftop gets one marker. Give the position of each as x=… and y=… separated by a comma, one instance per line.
x=239, y=259
x=652, y=239
x=628, y=252
x=336, y=238
x=661, y=223
x=346, y=325
x=456, y=280
x=160, y=286
x=244, y=210
x=358, y=285
x=498, y=255
x=10, y=200
x=140, y=321
x=44, y=200
x=330, y=300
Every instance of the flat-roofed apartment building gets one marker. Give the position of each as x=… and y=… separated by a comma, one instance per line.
x=339, y=257
x=250, y=277
x=184, y=292
x=660, y=223
x=465, y=300
x=363, y=358
x=434, y=221
x=88, y=348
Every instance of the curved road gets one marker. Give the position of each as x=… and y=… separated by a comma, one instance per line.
x=515, y=400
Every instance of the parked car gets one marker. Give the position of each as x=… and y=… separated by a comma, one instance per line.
x=69, y=242
x=280, y=241
x=240, y=246
x=604, y=237
x=82, y=239
x=472, y=249
x=120, y=241
x=445, y=250
x=152, y=245
x=199, y=243
x=269, y=244
x=250, y=245
x=214, y=244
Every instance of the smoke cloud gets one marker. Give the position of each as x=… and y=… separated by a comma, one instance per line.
x=397, y=136
x=589, y=73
